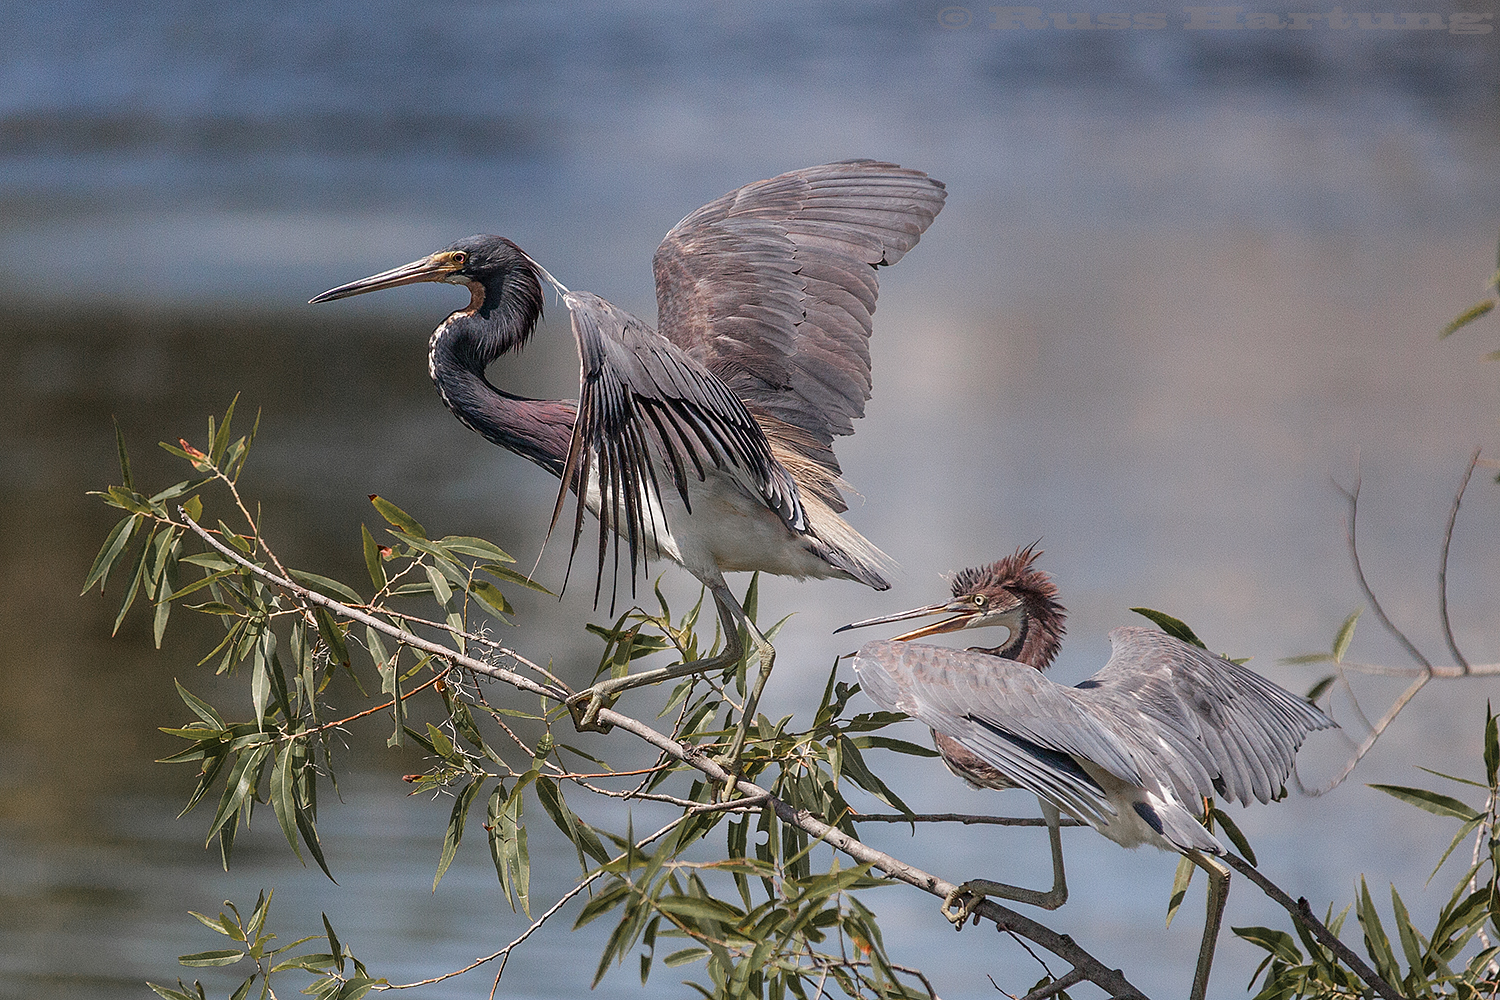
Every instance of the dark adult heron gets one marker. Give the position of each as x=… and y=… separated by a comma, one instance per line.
x=1131, y=751
x=708, y=441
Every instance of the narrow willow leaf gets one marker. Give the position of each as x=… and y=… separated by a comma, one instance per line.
x=167, y=994
x=1344, y=637
x=455, y=832
x=477, y=547
x=1280, y=944
x=1174, y=627
x=398, y=517
x=243, y=778
x=334, y=948
x=283, y=796
x=373, y=565
x=332, y=635
x=200, y=708
x=205, y=959
x=1241, y=842
x=219, y=440
x=1491, y=745
x=1180, y=882
x=510, y=575
x=1433, y=802
x=1376, y=943
x=1466, y=317
x=1411, y=943
x=137, y=574
x=326, y=586
x=309, y=833
x=491, y=597
x=1316, y=691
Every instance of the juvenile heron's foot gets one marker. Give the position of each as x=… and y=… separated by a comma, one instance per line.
x=959, y=905
x=586, y=705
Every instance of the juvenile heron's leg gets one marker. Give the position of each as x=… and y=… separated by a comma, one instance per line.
x=1218, y=895
x=585, y=705
x=960, y=904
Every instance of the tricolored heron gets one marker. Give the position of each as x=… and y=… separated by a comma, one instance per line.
x=1164, y=725
x=764, y=305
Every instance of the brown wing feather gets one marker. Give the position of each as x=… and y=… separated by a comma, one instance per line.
x=772, y=288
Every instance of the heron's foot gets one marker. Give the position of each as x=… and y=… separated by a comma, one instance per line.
x=960, y=904
x=586, y=705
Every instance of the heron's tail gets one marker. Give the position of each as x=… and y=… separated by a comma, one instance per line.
x=843, y=548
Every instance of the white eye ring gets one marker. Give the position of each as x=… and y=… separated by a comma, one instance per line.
x=978, y=600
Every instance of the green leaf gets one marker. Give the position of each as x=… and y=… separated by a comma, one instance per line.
x=1241, y=843
x=1466, y=317
x=124, y=457
x=506, y=573
x=398, y=517
x=373, y=564
x=114, y=544
x=1280, y=944
x=284, y=796
x=1491, y=745
x=476, y=547
x=200, y=708
x=1316, y=691
x=1344, y=637
x=1174, y=627
x=332, y=635
x=1180, y=882
x=325, y=586
x=167, y=994
x=203, y=959
x=334, y=948
x=456, y=827
x=1433, y=802
x=1376, y=943
x=242, y=780
x=491, y=597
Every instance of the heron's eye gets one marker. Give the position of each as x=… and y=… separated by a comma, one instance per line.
x=460, y=258
x=979, y=600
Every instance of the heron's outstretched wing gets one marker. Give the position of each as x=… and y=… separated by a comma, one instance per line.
x=772, y=288
x=1008, y=713
x=1232, y=732
x=645, y=405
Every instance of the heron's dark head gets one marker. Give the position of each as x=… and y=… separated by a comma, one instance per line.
x=505, y=285
x=1010, y=592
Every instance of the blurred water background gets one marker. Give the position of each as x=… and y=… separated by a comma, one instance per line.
x=1184, y=282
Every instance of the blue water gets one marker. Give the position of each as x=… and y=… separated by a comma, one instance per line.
x=1183, y=280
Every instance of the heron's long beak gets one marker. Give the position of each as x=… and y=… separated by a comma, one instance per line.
x=964, y=614
x=436, y=267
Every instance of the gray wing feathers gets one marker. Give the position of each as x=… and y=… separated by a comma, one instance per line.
x=1007, y=713
x=1227, y=730
x=642, y=401
x=772, y=287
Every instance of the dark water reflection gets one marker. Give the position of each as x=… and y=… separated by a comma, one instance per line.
x=1182, y=281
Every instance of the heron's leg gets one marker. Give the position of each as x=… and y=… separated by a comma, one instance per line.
x=585, y=705
x=1218, y=895
x=960, y=904
x=766, y=655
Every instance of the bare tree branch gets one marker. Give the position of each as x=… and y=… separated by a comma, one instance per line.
x=1111, y=980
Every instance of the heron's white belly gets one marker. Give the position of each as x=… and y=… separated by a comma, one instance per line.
x=728, y=531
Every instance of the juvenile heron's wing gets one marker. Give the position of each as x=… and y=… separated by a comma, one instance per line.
x=1215, y=726
x=645, y=411
x=772, y=288
x=1007, y=713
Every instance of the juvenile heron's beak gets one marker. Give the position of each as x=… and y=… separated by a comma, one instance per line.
x=436, y=267
x=963, y=614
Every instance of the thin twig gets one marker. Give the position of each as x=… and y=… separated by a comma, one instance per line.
x=1055, y=987
x=539, y=921
x=1303, y=914
x=1443, y=565
x=1364, y=585
x=964, y=818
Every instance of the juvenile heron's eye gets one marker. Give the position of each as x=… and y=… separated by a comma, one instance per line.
x=978, y=600
x=460, y=258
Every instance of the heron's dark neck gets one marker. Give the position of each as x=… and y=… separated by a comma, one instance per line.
x=1035, y=640
x=500, y=318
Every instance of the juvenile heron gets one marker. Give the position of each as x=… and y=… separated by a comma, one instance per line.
x=708, y=441
x=1130, y=751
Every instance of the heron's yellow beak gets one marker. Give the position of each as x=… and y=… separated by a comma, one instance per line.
x=435, y=267
x=963, y=614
